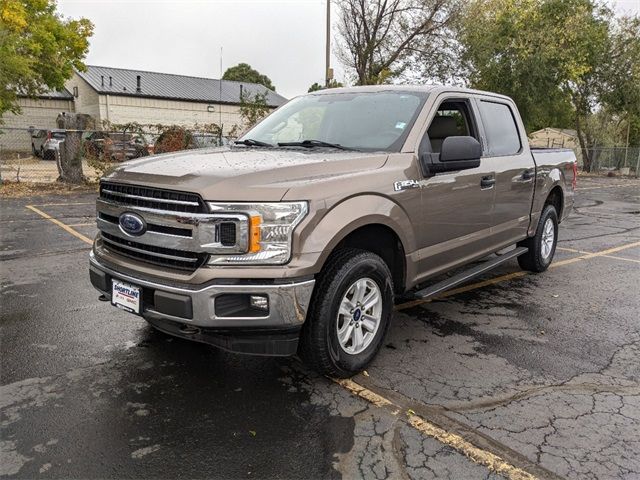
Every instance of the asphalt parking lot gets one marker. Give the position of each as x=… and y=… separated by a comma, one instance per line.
x=515, y=375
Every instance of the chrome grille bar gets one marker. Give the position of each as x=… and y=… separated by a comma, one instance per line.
x=151, y=199
x=147, y=252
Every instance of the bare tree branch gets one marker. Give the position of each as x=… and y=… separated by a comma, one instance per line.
x=383, y=39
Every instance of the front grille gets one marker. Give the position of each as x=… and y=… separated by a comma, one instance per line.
x=165, y=257
x=151, y=227
x=155, y=198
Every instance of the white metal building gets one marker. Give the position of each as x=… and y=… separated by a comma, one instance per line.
x=120, y=96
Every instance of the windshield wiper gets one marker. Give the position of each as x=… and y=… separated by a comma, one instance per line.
x=250, y=142
x=312, y=144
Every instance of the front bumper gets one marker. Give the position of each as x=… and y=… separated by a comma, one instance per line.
x=189, y=311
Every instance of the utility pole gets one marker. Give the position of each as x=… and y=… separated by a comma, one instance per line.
x=220, y=95
x=328, y=71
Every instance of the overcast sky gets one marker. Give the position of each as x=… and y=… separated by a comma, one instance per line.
x=283, y=39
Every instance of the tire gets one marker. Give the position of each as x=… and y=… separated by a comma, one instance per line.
x=34, y=152
x=42, y=154
x=349, y=274
x=542, y=246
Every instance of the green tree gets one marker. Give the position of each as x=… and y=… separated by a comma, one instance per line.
x=243, y=72
x=550, y=56
x=621, y=89
x=38, y=49
x=332, y=84
x=253, y=108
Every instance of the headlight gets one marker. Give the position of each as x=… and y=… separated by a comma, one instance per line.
x=270, y=231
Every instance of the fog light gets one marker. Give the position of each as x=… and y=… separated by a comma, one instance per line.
x=260, y=302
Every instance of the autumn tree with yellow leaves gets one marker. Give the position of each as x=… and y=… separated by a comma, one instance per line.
x=39, y=49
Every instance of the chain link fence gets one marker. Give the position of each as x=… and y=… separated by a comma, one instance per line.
x=621, y=160
x=43, y=155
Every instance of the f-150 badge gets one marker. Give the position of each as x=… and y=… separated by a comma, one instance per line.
x=405, y=185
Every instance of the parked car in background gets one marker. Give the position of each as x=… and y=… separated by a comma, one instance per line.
x=46, y=143
x=115, y=146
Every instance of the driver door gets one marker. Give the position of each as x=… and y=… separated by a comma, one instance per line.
x=457, y=206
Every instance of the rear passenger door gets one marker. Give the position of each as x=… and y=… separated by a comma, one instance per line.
x=513, y=166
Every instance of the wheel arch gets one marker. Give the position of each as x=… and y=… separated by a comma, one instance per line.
x=369, y=222
x=556, y=198
x=384, y=242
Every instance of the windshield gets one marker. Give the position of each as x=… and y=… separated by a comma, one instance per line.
x=58, y=135
x=360, y=121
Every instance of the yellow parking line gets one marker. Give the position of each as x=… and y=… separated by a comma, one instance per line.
x=62, y=204
x=622, y=258
x=602, y=253
x=591, y=253
x=360, y=391
x=490, y=460
x=572, y=250
x=510, y=276
x=64, y=226
x=81, y=224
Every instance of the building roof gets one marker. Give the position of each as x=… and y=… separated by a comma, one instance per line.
x=119, y=81
x=63, y=94
x=564, y=131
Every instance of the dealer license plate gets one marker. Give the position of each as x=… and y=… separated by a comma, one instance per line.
x=126, y=296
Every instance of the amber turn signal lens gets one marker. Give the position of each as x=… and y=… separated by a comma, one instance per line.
x=254, y=234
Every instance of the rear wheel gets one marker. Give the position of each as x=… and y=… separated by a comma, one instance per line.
x=542, y=246
x=349, y=314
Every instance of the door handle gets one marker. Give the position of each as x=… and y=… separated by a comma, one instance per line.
x=528, y=174
x=487, y=182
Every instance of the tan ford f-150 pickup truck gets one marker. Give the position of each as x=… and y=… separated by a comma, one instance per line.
x=298, y=237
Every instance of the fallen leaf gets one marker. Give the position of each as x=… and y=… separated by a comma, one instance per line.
x=252, y=433
x=410, y=412
x=365, y=373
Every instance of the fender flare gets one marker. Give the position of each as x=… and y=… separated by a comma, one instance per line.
x=353, y=213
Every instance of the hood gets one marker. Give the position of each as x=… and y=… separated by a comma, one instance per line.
x=243, y=174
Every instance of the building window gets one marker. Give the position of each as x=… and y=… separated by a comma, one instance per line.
x=211, y=108
x=75, y=92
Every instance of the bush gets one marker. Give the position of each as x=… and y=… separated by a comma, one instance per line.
x=173, y=139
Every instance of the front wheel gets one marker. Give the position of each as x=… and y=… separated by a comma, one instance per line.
x=349, y=314
x=542, y=246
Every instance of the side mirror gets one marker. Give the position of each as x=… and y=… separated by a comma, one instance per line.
x=460, y=149
x=456, y=153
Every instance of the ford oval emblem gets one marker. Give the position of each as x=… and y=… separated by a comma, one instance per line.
x=132, y=224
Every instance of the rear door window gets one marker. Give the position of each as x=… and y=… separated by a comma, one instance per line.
x=500, y=127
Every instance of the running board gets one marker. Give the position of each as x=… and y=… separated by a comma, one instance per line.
x=449, y=283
